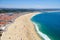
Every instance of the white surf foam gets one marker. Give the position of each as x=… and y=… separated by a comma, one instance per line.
x=44, y=36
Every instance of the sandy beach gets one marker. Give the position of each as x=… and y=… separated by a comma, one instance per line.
x=21, y=29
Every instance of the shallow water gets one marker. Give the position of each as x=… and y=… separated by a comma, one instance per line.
x=49, y=24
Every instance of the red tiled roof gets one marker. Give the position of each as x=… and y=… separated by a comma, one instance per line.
x=6, y=18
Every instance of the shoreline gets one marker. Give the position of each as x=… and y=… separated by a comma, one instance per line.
x=44, y=36
x=40, y=34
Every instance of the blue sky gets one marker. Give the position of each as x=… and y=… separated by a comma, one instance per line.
x=30, y=4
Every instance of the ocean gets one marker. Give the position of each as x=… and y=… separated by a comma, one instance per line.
x=47, y=25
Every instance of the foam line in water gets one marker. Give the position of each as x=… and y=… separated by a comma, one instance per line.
x=44, y=36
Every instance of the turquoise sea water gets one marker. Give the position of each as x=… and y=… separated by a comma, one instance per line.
x=49, y=24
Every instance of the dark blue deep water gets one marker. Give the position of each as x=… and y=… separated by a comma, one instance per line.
x=49, y=24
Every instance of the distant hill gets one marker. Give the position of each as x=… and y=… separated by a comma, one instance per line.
x=4, y=10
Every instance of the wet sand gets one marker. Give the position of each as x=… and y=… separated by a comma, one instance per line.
x=21, y=29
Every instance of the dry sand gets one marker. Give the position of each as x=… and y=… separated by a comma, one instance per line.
x=21, y=29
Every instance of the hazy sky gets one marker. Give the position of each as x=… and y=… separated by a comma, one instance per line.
x=30, y=4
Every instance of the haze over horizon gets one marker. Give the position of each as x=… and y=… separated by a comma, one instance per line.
x=35, y=4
